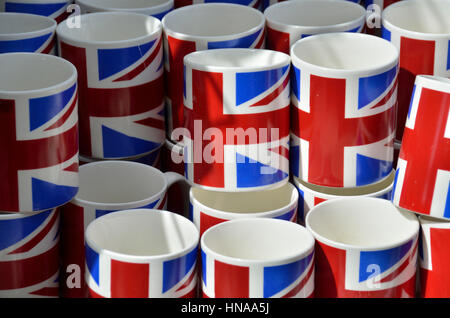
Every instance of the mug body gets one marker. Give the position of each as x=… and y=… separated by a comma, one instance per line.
x=54, y=9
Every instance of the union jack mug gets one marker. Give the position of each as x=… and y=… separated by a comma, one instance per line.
x=344, y=101
x=257, y=258
x=55, y=9
x=365, y=248
x=434, y=258
x=250, y=3
x=290, y=21
x=237, y=117
x=421, y=32
x=142, y=254
x=422, y=181
x=157, y=9
x=22, y=32
x=105, y=187
x=38, y=132
x=208, y=208
x=204, y=27
x=119, y=59
x=311, y=195
x=29, y=264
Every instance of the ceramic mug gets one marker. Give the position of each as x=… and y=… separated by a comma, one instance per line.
x=434, y=258
x=344, y=96
x=423, y=169
x=237, y=118
x=29, y=264
x=157, y=9
x=311, y=195
x=105, y=187
x=142, y=254
x=119, y=59
x=39, y=132
x=250, y=3
x=203, y=27
x=421, y=32
x=20, y=32
x=290, y=21
x=365, y=248
x=257, y=258
x=54, y=9
x=208, y=208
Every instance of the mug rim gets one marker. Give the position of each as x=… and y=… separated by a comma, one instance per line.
x=282, y=25
x=104, y=8
x=186, y=36
x=433, y=222
x=142, y=258
x=340, y=72
x=345, y=246
x=434, y=82
x=51, y=28
x=92, y=159
x=278, y=184
x=188, y=60
x=249, y=262
x=262, y=214
x=61, y=31
x=56, y=87
x=413, y=34
x=122, y=205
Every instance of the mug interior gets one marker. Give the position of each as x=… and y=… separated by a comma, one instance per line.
x=345, y=51
x=431, y=16
x=142, y=232
x=22, y=72
x=314, y=13
x=121, y=4
x=110, y=27
x=213, y=20
x=236, y=58
x=257, y=239
x=115, y=182
x=17, y=23
x=248, y=202
x=361, y=222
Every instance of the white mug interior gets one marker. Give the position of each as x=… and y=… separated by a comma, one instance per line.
x=431, y=16
x=213, y=20
x=118, y=182
x=366, y=223
x=314, y=13
x=257, y=240
x=121, y=4
x=103, y=27
x=142, y=233
x=248, y=202
x=16, y=24
x=348, y=52
x=25, y=72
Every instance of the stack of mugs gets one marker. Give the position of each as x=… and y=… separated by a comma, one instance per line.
x=150, y=110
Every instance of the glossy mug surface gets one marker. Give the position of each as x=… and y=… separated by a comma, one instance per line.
x=142, y=254
x=39, y=132
x=344, y=101
x=54, y=9
x=119, y=58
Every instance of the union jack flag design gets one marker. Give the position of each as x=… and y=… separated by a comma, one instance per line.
x=29, y=264
x=381, y=3
x=74, y=221
x=113, y=278
x=250, y=3
x=41, y=165
x=175, y=51
x=204, y=219
x=370, y=274
x=151, y=159
x=434, y=260
x=44, y=44
x=422, y=180
x=121, y=98
x=355, y=147
x=224, y=280
x=52, y=9
x=418, y=56
x=244, y=163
